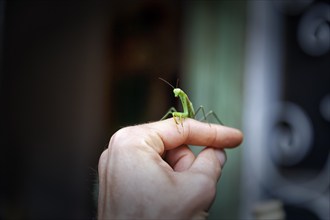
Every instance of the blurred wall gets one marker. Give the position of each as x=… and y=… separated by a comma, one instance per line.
x=54, y=109
x=286, y=153
x=214, y=34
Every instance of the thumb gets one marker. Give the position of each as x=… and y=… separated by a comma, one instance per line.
x=210, y=162
x=207, y=169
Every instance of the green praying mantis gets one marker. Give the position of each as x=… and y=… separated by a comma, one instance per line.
x=188, y=108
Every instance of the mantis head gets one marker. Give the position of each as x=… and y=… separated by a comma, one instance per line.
x=177, y=92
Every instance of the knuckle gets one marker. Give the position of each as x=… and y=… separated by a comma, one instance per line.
x=103, y=160
x=213, y=138
x=127, y=137
x=121, y=133
x=120, y=136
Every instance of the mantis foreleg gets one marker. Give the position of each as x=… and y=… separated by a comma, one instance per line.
x=169, y=112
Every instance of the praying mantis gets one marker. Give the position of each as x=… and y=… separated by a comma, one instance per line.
x=188, y=108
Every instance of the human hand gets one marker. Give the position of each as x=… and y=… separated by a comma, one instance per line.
x=149, y=172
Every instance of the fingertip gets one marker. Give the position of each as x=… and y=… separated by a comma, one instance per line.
x=221, y=156
x=232, y=137
x=240, y=135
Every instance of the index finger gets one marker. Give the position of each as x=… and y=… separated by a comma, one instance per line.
x=196, y=133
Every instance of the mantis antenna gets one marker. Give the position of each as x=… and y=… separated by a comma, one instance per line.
x=166, y=82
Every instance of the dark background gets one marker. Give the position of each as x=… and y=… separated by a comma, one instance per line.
x=74, y=72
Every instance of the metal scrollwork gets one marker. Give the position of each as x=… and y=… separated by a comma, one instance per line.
x=314, y=30
x=292, y=7
x=292, y=135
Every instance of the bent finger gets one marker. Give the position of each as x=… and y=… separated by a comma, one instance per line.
x=196, y=133
x=209, y=162
x=180, y=158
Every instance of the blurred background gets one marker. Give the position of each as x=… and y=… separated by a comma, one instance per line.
x=74, y=72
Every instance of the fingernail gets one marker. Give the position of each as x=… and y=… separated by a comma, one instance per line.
x=221, y=155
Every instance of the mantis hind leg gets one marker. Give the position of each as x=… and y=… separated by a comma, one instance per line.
x=205, y=116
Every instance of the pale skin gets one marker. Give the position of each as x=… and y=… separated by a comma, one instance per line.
x=149, y=172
